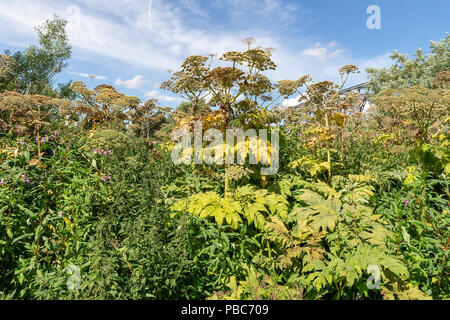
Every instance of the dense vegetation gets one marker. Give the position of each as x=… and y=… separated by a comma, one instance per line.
x=87, y=181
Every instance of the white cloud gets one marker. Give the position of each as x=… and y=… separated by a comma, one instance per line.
x=290, y=102
x=135, y=83
x=118, y=30
x=322, y=53
x=151, y=94
x=168, y=98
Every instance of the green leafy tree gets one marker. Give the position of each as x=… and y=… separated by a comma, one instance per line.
x=36, y=67
x=418, y=71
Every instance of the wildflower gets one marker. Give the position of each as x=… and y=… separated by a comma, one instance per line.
x=2, y=181
x=22, y=142
x=67, y=117
x=24, y=176
x=406, y=203
x=56, y=133
x=110, y=151
x=66, y=123
x=106, y=178
x=60, y=214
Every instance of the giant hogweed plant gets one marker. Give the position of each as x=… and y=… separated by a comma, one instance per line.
x=322, y=246
x=321, y=105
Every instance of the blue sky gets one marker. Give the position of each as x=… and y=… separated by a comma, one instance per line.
x=131, y=44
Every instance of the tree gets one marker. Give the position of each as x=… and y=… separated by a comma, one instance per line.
x=406, y=72
x=36, y=67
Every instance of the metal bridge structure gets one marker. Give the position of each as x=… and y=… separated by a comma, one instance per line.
x=362, y=89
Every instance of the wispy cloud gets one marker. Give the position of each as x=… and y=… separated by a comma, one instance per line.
x=117, y=32
x=87, y=75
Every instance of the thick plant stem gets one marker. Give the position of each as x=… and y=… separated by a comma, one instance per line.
x=227, y=182
x=328, y=148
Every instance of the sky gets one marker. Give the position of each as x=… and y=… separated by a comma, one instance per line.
x=131, y=44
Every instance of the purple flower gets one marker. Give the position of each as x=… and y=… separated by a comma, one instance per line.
x=22, y=142
x=27, y=180
x=2, y=181
x=106, y=178
x=406, y=203
x=56, y=133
